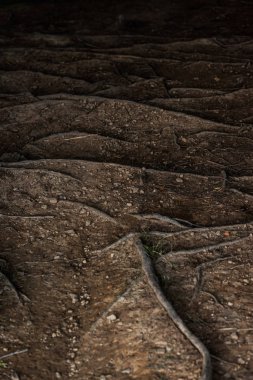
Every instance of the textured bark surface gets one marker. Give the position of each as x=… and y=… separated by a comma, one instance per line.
x=123, y=126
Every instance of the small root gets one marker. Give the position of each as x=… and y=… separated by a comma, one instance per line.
x=213, y=297
x=200, y=280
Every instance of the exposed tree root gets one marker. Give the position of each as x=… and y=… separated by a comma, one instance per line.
x=206, y=373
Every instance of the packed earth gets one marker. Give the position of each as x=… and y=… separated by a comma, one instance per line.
x=126, y=176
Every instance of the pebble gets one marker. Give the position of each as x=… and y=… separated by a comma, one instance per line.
x=15, y=376
x=161, y=343
x=161, y=350
x=111, y=317
x=70, y=232
x=53, y=201
x=73, y=297
x=126, y=371
x=234, y=336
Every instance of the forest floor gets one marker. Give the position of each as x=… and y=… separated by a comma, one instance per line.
x=126, y=141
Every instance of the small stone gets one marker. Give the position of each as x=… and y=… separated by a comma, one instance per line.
x=70, y=232
x=111, y=317
x=234, y=336
x=73, y=297
x=53, y=201
x=129, y=204
x=161, y=350
x=56, y=257
x=179, y=180
x=57, y=375
x=127, y=371
x=161, y=343
x=15, y=376
x=240, y=361
x=230, y=303
x=102, y=377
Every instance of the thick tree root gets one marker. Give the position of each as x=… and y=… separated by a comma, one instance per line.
x=206, y=373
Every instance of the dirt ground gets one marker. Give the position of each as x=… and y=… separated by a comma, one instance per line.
x=126, y=152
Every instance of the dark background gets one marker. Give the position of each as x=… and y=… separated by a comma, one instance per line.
x=172, y=18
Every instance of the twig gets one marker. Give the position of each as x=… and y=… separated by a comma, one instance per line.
x=221, y=360
x=13, y=353
x=235, y=328
x=186, y=223
x=111, y=306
